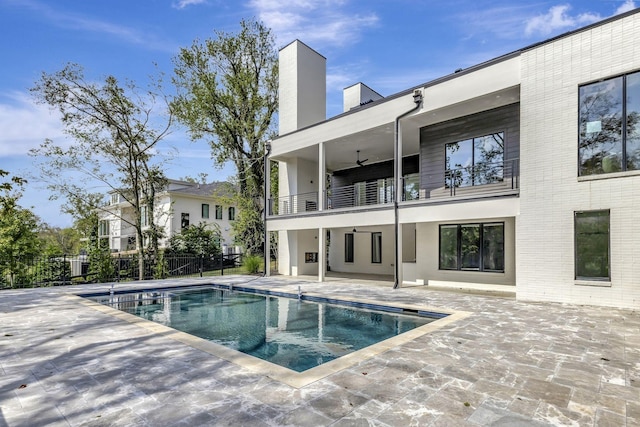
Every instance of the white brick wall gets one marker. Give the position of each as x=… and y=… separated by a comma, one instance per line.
x=550, y=189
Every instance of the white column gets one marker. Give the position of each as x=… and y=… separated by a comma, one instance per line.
x=321, y=176
x=322, y=252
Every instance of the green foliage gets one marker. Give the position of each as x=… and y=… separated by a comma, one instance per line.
x=252, y=263
x=201, y=239
x=101, y=263
x=227, y=93
x=18, y=239
x=58, y=241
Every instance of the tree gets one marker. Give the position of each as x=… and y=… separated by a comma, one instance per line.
x=18, y=233
x=116, y=129
x=227, y=93
x=58, y=241
x=202, y=239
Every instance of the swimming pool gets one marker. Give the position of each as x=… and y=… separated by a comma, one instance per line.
x=298, y=334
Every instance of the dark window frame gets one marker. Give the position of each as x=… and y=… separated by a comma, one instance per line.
x=232, y=213
x=202, y=211
x=473, y=139
x=376, y=236
x=349, y=245
x=624, y=114
x=481, y=255
x=218, y=213
x=576, y=251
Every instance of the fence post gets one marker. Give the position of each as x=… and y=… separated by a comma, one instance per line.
x=201, y=264
x=64, y=269
x=221, y=264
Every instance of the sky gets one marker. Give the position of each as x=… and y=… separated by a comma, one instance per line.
x=390, y=45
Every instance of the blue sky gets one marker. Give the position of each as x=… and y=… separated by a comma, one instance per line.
x=389, y=45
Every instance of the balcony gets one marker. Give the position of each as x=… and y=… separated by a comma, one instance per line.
x=489, y=179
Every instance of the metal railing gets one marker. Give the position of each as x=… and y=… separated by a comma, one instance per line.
x=497, y=176
x=506, y=172
x=296, y=203
x=27, y=272
x=376, y=192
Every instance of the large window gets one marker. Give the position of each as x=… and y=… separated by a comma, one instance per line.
x=218, y=212
x=376, y=248
x=144, y=216
x=609, y=139
x=592, y=245
x=475, y=247
x=475, y=161
x=232, y=213
x=348, y=247
x=205, y=210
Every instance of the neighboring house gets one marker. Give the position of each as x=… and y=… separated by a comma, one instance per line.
x=180, y=205
x=520, y=174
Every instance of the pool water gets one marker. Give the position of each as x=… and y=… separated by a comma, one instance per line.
x=296, y=334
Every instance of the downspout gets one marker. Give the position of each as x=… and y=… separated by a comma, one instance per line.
x=266, y=175
x=397, y=161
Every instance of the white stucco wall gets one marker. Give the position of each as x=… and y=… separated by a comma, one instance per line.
x=550, y=188
x=362, y=251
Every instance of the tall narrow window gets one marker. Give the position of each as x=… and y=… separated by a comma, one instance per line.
x=144, y=216
x=218, y=212
x=376, y=248
x=478, y=247
x=592, y=245
x=609, y=127
x=232, y=213
x=103, y=229
x=348, y=247
x=205, y=210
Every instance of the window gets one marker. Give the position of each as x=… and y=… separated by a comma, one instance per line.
x=472, y=247
x=232, y=213
x=348, y=247
x=592, y=245
x=376, y=248
x=184, y=221
x=609, y=126
x=218, y=212
x=205, y=210
x=475, y=161
x=103, y=228
x=144, y=216
x=115, y=199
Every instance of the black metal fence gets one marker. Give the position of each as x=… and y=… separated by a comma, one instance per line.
x=60, y=270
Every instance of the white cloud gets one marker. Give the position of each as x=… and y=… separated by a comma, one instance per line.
x=625, y=7
x=25, y=125
x=558, y=18
x=185, y=3
x=323, y=22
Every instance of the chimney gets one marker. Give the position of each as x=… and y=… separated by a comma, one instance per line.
x=302, y=87
x=357, y=95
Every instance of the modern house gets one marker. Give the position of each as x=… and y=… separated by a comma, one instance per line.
x=520, y=174
x=178, y=206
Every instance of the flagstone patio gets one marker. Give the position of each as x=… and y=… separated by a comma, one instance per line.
x=507, y=364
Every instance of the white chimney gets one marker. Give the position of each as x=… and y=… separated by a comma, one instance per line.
x=357, y=95
x=302, y=87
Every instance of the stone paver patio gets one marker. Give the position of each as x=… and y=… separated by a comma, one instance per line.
x=507, y=364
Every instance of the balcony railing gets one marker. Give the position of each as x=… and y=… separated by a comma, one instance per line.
x=484, y=179
x=296, y=203
x=376, y=192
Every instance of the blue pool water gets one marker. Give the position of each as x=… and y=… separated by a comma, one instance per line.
x=296, y=334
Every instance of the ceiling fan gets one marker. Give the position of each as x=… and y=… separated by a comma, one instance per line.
x=358, y=161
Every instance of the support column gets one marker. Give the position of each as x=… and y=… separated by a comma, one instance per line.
x=322, y=252
x=321, y=177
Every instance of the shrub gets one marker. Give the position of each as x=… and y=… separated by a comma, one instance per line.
x=252, y=263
